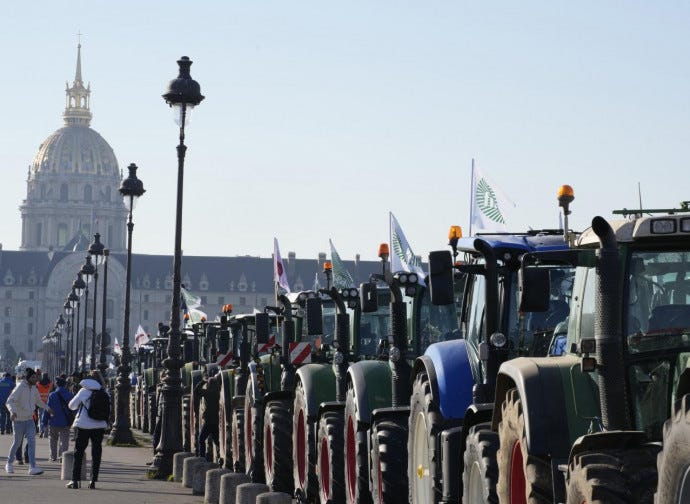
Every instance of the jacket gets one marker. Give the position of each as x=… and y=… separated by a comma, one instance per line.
x=23, y=400
x=80, y=403
x=6, y=386
x=59, y=407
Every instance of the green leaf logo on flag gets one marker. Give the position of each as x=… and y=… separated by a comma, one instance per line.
x=341, y=277
x=487, y=202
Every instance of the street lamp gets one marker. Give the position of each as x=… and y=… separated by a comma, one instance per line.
x=69, y=311
x=185, y=93
x=87, y=271
x=96, y=252
x=78, y=287
x=102, y=366
x=131, y=189
x=59, y=324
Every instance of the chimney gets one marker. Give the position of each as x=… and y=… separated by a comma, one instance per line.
x=321, y=261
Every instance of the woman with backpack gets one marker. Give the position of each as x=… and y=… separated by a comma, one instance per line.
x=92, y=405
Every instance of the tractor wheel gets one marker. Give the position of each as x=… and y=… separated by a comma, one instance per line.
x=522, y=477
x=356, y=456
x=253, y=437
x=425, y=424
x=613, y=476
x=304, y=447
x=277, y=446
x=388, y=460
x=330, y=465
x=238, y=440
x=673, y=462
x=480, y=472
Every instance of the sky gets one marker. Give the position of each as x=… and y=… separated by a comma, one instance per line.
x=321, y=117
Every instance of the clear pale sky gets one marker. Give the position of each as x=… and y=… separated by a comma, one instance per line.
x=321, y=117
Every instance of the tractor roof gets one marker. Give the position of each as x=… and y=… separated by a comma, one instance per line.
x=655, y=227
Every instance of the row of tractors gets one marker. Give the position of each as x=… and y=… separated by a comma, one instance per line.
x=539, y=367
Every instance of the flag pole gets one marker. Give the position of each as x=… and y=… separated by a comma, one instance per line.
x=471, y=196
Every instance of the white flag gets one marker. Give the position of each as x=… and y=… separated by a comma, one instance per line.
x=488, y=204
x=341, y=277
x=402, y=256
x=279, y=273
x=189, y=300
x=116, y=348
x=140, y=338
x=196, y=315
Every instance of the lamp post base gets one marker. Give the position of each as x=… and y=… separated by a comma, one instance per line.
x=171, y=421
x=122, y=433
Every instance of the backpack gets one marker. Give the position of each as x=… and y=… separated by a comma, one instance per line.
x=99, y=405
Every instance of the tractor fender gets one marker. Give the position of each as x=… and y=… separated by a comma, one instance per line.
x=608, y=440
x=318, y=382
x=371, y=382
x=278, y=395
x=331, y=406
x=544, y=394
x=448, y=367
x=254, y=383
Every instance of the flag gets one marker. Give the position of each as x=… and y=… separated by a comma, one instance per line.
x=116, y=348
x=402, y=257
x=196, y=315
x=140, y=338
x=341, y=277
x=279, y=274
x=189, y=300
x=488, y=204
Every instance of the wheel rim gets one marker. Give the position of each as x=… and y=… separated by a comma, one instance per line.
x=351, y=462
x=301, y=440
x=420, y=460
x=325, y=469
x=517, y=476
x=268, y=441
x=475, y=486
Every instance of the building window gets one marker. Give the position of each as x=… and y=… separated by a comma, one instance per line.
x=146, y=298
x=8, y=311
x=30, y=345
x=31, y=311
x=63, y=192
x=221, y=300
x=7, y=328
x=87, y=194
x=30, y=329
x=203, y=300
x=31, y=294
x=62, y=235
x=146, y=314
x=243, y=301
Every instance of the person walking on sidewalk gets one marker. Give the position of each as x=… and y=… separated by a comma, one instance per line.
x=61, y=421
x=44, y=385
x=87, y=428
x=6, y=386
x=21, y=404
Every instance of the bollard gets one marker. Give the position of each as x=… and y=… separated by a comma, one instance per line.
x=274, y=498
x=188, y=467
x=248, y=492
x=199, y=478
x=212, y=488
x=228, y=487
x=68, y=466
x=178, y=460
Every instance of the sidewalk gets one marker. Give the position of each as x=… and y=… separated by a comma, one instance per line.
x=122, y=479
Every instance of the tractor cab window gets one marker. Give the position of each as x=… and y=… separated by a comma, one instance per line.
x=437, y=322
x=375, y=326
x=328, y=316
x=474, y=311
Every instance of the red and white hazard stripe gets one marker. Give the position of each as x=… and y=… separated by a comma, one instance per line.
x=223, y=359
x=300, y=353
x=268, y=345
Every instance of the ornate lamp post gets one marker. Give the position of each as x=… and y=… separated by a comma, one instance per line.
x=102, y=366
x=59, y=325
x=96, y=253
x=184, y=93
x=87, y=271
x=69, y=311
x=78, y=287
x=131, y=189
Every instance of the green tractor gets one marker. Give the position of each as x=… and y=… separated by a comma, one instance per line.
x=587, y=426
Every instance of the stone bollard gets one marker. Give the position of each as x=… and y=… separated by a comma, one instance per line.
x=199, y=478
x=188, y=466
x=178, y=460
x=68, y=466
x=228, y=487
x=248, y=492
x=212, y=489
x=274, y=498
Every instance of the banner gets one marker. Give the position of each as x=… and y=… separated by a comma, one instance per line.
x=116, y=348
x=402, y=256
x=488, y=205
x=341, y=277
x=279, y=274
x=140, y=338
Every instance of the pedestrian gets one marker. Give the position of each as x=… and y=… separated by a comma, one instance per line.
x=88, y=428
x=44, y=385
x=208, y=391
x=21, y=404
x=61, y=421
x=6, y=386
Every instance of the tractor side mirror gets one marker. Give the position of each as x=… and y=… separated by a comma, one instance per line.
x=314, y=317
x=368, y=297
x=534, y=289
x=441, y=277
x=262, y=322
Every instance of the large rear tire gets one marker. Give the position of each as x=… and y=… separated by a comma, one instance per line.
x=330, y=467
x=304, y=448
x=673, y=463
x=613, y=476
x=426, y=422
x=238, y=454
x=253, y=437
x=388, y=460
x=480, y=471
x=522, y=477
x=356, y=456
x=277, y=446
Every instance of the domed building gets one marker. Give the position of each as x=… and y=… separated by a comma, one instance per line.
x=72, y=186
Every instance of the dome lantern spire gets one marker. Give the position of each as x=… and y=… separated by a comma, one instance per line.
x=77, y=111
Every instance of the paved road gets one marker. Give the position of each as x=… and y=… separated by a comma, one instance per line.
x=122, y=479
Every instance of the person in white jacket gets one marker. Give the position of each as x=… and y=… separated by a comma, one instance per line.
x=21, y=404
x=87, y=429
